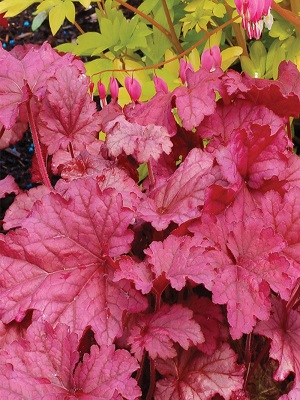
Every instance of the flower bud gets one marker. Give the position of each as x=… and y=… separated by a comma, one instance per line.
x=211, y=59
x=160, y=84
x=101, y=90
x=113, y=88
x=133, y=87
x=183, y=68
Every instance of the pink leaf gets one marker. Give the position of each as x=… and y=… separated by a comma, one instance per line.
x=253, y=155
x=12, y=90
x=178, y=198
x=43, y=365
x=8, y=185
x=22, y=206
x=246, y=255
x=142, y=142
x=138, y=273
x=180, y=258
x=156, y=333
x=286, y=90
x=68, y=114
x=198, y=99
x=283, y=214
x=240, y=114
x=209, y=316
x=58, y=264
x=156, y=111
x=196, y=376
x=283, y=328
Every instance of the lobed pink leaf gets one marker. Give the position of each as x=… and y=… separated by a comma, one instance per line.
x=142, y=142
x=157, y=111
x=247, y=257
x=283, y=328
x=240, y=114
x=68, y=114
x=57, y=265
x=8, y=185
x=193, y=375
x=198, y=98
x=46, y=365
x=22, y=206
x=286, y=89
x=178, y=197
x=180, y=259
x=156, y=333
x=253, y=156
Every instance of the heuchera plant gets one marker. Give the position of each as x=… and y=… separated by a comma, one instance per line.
x=174, y=286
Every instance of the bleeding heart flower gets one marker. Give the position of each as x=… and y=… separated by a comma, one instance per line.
x=160, y=84
x=211, y=59
x=101, y=90
x=133, y=87
x=113, y=87
x=254, y=13
x=183, y=68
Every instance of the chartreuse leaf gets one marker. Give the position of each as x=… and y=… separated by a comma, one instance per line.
x=258, y=55
x=229, y=56
x=200, y=13
x=247, y=65
x=281, y=28
x=58, y=14
x=14, y=7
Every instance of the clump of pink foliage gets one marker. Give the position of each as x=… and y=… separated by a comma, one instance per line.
x=115, y=288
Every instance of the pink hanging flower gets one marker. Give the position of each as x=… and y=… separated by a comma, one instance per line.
x=113, y=88
x=133, y=87
x=101, y=90
x=183, y=68
x=211, y=59
x=254, y=14
x=160, y=84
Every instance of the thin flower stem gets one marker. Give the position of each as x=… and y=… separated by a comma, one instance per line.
x=175, y=39
x=37, y=147
x=177, y=57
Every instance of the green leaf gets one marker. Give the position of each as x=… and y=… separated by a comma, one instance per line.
x=88, y=43
x=14, y=7
x=56, y=17
x=258, y=55
x=281, y=29
x=38, y=20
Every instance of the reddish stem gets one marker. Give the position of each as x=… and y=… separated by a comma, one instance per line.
x=150, y=171
x=37, y=147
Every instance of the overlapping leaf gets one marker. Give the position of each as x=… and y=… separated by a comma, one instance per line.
x=283, y=328
x=57, y=265
x=45, y=365
x=246, y=255
x=193, y=375
x=156, y=333
x=142, y=142
x=178, y=197
x=198, y=98
x=68, y=115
